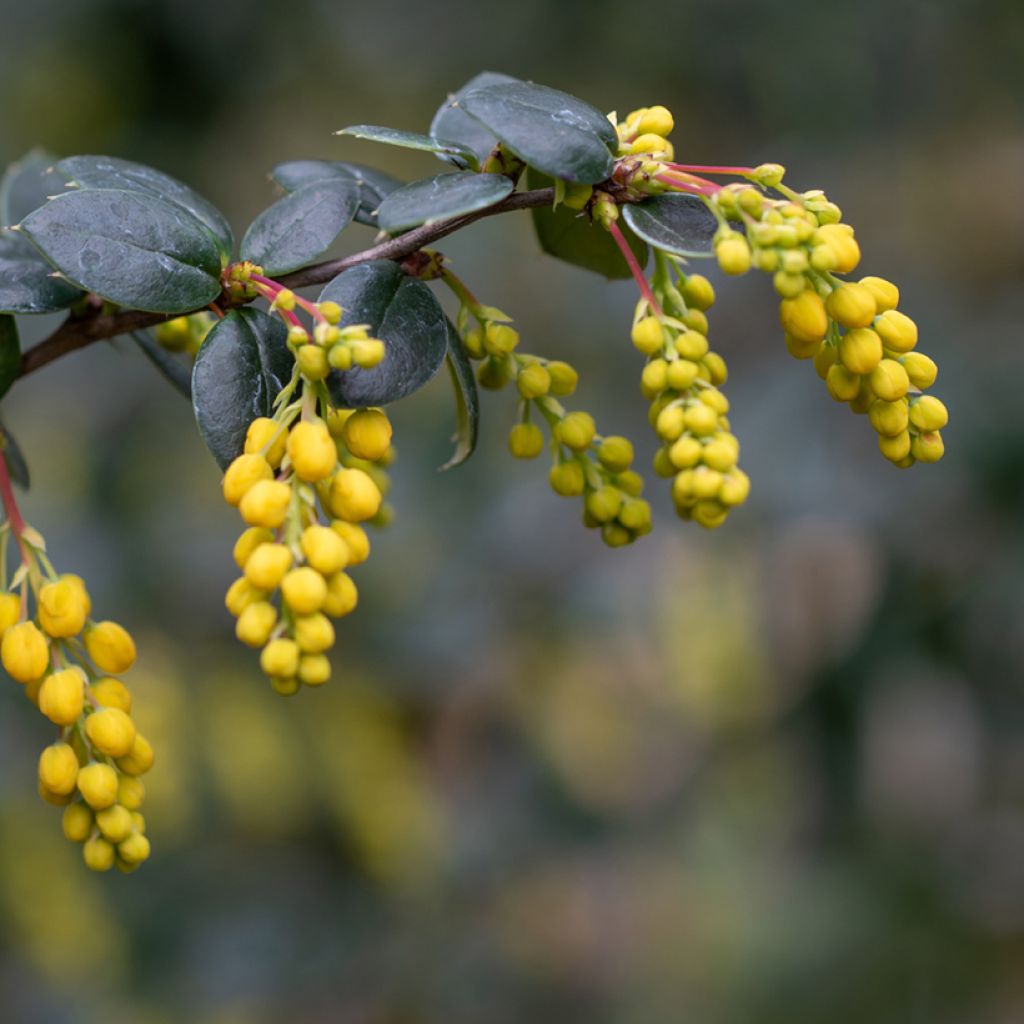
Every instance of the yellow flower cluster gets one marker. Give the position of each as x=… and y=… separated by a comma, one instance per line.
x=861, y=344
x=68, y=666
x=645, y=132
x=682, y=381
x=584, y=463
x=287, y=553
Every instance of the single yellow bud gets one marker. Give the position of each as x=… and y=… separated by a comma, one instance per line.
x=563, y=378
x=10, y=611
x=801, y=349
x=681, y=374
x=304, y=589
x=368, y=353
x=240, y=595
x=280, y=658
x=709, y=514
x=735, y=488
x=336, y=421
x=670, y=422
x=249, y=541
x=685, y=453
x=115, y=823
x=24, y=652
x=860, y=350
x=314, y=634
x=109, y=692
x=314, y=669
x=576, y=431
x=691, y=345
x=895, y=447
x=525, y=441
x=889, y=380
x=135, y=849
x=111, y=647
x=342, y=596
x=656, y=145
x=354, y=496
x=615, y=454
x=648, y=335
x=604, y=503
x=701, y=419
x=62, y=696
x=927, y=447
x=851, y=305
x=843, y=385
x=921, y=369
x=330, y=311
x=897, y=331
x=654, y=377
x=256, y=623
x=312, y=451
x=533, y=381
x=889, y=418
x=139, y=760
x=130, y=792
x=804, y=317
x=885, y=293
x=77, y=822
x=367, y=434
x=768, y=175
x=266, y=504
x=340, y=357
x=698, y=292
x=266, y=566
x=928, y=413
x=98, y=854
x=324, y=549
x=110, y=731
x=62, y=611
x=356, y=540
x=733, y=255
x=567, y=479
x=264, y=433
x=324, y=336
x=243, y=474
x=98, y=785
x=719, y=455
x=657, y=120
x=58, y=769
x=500, y=339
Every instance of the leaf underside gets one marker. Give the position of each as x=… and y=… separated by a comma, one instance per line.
x=682, y=225
x=467, y=399
x=441, y=197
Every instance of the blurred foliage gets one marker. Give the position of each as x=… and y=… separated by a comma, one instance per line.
x=771, y=775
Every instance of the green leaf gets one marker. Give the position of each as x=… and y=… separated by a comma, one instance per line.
x=550, y=130
x=682, y=225
x=129, y=247
x=570, y=236
x=10, y=354
x=17, y=466
x=108, y=172
x=459, y=154
x=242, y=365
x=28, y=284
x=441, y=197
x=28, y=184
x=301, y=226
x=467, y=399
x=452, y=122
x=401, y=311
x=373, y=185
x=173, y=370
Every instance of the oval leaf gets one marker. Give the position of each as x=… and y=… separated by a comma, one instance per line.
x=441, y=197
x=241, y=366
x=17, y=466
x=373, y=185
x=401, y=311
x=28, y=284
x=459, y=154
x=10, y=354
x=548, y=129
x=301, y=226
x=129, y=247
x=28, y=184
x=681, y=225
x=571, y=236
x=108, y=172
x=467, y=399
x=451, y=122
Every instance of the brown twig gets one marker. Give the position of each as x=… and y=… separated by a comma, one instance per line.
x=79, y=331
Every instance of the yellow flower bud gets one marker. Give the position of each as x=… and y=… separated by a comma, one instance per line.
x=340, y=357
x=256, y=623
x=111, y=647
x=533, y=381
x=709, y=514
x=885, y=293
x=10, y=611
x=342, y=595
x=312, y=361
x=330, y=311
x=648, y=335
x=368, y=353
x=98, y=854
x=77, y=822
x=681, y=374
x=788, y=285
x=563, y=378
x=240, y=595
x=62, y=611
x=927, y=447
x=264, y=433
x=280, y=658
x=654, y=377
x=895, y=447
x=58, y=769
x=577, y=196
x=696, y=321
x=733, y=255
x=576, y=431
x=115, y=823
x=24, y=652
x=336, y=421
x=314, y=634
x=889, y=418
x=804, y=317
x=685, y=453
x=691, y=345
x=266, y=566
x=843, y=385
x=312, y=451
x=651, y=143
x=670, y=422
x=139, y=760
x=135, y=849
x=851, y=305
x=525, y=441
x=500, y=339
x=354, y=496
x=314, y=669
x=657, y=120
x=249, y=541
x=110, y=731
x=567, y=479
x=242, y=475
x=801, y=349
x=130, y=792
x=266, y=504
x=735, y=488
x=324, y=549
x=111, y=693
x=62, y=696
x=860, y=350
x=928, y=413
x=718, y=455
x=701, y=419
x=604, y=503
x=889, y=380
x=839, y=238
x=921, y=370
x=698, y=292
x=98, y=785
x=304, y=590
x=897, y=331
x=615, y=454
x=714, y=399
x=356, y=540
x=717, y=372
x=367, y=434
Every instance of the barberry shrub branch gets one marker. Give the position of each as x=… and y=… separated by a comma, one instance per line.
x=289, y=387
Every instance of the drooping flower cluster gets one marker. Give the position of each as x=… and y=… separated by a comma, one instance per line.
x=68, y=665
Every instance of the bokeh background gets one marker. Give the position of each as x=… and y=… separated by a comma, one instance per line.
x=772, y=773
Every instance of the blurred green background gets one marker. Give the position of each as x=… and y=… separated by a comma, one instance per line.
x=773, y=773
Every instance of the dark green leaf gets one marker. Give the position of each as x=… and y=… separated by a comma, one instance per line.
x=682, y=225
x=451, y=122
x=27, y=185
x=241, y=366
x=301, y=226
x=441, y=197
x=550, y=130
x=108, y=172
x=570, y=236
x=459, y=154
x=17, y=466
x=10, y=354
x=28, y=284
x=173, y=370
x=373, y=185
x=401, y=311
x=467, y=399
x=129, y=247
